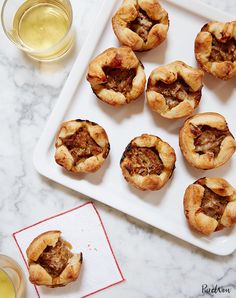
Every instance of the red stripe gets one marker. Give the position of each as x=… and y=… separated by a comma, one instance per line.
x=116, y=283
x=52, y=217
x=24, y=260
x=103, y=227
x=109, y=243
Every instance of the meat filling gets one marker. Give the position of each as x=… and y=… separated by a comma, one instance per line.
x=223, y=51
x=208, y=139
x=55, y=259
x=144, y=161
x=142, y=24
x=119, y=79
x=81, y=145
x=212, y=204
x=176, y=92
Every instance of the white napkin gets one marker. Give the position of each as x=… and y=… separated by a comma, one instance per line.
x=83, y=228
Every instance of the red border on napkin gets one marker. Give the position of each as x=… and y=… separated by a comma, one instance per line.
x=108, y=241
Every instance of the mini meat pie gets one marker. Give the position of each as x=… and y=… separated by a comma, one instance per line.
x=215, y=49
x=141, y=24
x=174, y=90
x=148, y=162
x=205, y=141
x=117, y=76
x=81, y=146
x=210, y=205
x=51, y=262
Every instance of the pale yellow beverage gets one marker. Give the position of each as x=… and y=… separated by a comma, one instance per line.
x=42, y=28
x=42, y=25
x=12, y=283
x=6, y=286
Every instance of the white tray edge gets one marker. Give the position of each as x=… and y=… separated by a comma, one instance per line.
x=203, y=9
x=73, y=81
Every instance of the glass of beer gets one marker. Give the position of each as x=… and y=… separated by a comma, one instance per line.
x=12, y=284
x=41, y=28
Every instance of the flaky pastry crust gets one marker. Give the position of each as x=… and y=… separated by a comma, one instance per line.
x=215, y=49
x=148, y=162
x=174, y=90
x=51, y=262
x=81, y=146
x=117, y=76
x=205, y=141
x=141, y=24
x=210, y=205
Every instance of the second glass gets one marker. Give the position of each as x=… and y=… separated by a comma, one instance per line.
x=12, y=283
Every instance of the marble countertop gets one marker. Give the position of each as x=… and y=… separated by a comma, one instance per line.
x=154, y=264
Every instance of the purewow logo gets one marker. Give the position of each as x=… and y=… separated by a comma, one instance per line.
x=215, y=289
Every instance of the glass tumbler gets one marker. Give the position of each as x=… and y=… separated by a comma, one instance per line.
x=12, y=283
x=41, y=28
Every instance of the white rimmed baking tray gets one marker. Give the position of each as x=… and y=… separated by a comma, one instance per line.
x=162, y=209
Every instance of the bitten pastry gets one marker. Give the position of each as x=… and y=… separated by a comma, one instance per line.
x=141, y=24
x=215, y=49
x=81, y=146
x=117, y=76
x=174, y=90
x=148, y=162
x=210, y=205
x=205, y=141
x=51, y=262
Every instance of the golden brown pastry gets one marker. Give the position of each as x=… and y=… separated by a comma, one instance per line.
x=174, y=90
x=205, y=141
x=141, y=24
x=51, y=262
x=81, y=146
x=117, y=76
x=215, y=49
x=210, y=205
x=148, y=162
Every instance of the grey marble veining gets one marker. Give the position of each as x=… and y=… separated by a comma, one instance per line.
x=154, y=264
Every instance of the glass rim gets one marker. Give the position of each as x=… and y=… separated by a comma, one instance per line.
x=28, y=49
